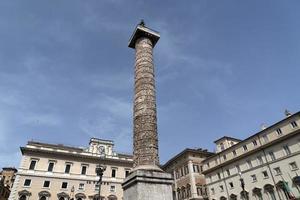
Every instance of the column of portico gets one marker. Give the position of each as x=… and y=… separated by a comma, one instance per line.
x=192, y=179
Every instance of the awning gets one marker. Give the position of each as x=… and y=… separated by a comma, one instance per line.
x=80, y=195
x=269, y=188
x=24, y=192
x=296, y=180
x=256, y=190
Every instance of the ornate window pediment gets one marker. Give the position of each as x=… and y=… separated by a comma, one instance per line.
x=80, y=195
x=24, y=192
x=44, y=193
x=63, y=194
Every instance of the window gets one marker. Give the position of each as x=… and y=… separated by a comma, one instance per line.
x=221, y=188
x=265, y=174
x=64, y=185
x=279, y=132
x=265, y=137
x=81, y=186
x=219, y=175
x=50, y=166
x=196, y=168
x=260, y=160
x=113, y=173
x=294, y=124
x=83, y=169
x=245, y=148
x=249, y=163
x=293, y=166
x=97, y=186
x=234, y=152
x=272, y=155
x=222, y=146
x=127, y=173
x=287, y=150
x=277, y=170
x=32, y=164
x=27, y=182
x=254, y=179
x=186, y=170
x=212, y=190
x=67, y=169
x=224, y=157
x=207, y=164
x=46, y=184
x=228, y=172
x=112, y=188
x=231, y=184
x=238, y=169
x=254, y=142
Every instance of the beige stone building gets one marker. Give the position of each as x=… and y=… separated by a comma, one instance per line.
x=59, y=172
x=266, y=162
x=186, y=168
x=7, y=177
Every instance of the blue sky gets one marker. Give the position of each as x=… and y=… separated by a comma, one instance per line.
x=222, y=68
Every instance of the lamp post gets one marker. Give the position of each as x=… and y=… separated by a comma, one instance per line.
x=99, y=171
x=243, y=186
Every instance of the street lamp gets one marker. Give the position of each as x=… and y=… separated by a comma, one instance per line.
x=99, y=171
x=243, y=186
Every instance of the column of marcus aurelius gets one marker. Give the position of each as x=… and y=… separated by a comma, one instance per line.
x=146, y=181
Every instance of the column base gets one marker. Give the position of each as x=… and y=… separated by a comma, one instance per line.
x=148, y=185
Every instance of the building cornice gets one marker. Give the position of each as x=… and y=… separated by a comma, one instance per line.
x=85, y=155
x=282, y=138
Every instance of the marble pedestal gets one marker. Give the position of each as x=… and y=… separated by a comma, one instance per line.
x=148, y=185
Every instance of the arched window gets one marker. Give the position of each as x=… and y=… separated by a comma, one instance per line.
x=79, y=199
x=61, y=198
x=23, y=197
x=43, y=198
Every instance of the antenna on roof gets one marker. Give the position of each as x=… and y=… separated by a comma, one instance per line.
x=142, y=23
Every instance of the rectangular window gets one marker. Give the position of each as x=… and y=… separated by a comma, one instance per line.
x=27, y=182
x=97, y=186
x=260, y=160
x=83, y=170
x=222, y=146
x=207, y=164
x=265, y=174
x=265, y=137
x=50, y=166
x=224, y=157
x=113, y=173
x=32, y=164
x=81, y=186
x=293, y=166
x=221, y=188
x=127, y=173
x=196, y=168
x=277, y=171
x=112, y=188
x=238, y=169
x=272, y=155
x=46, y=184
x=64, y=185
x=67, y=169
x=219, y=175
x=234, y=152
x=249, y=163
x=287, y=150
x=294, y=124
x=245, y=148
x=231, y=184
x=254, y=142
x=254, y=179
x=228, y=172
x=279, y=132
x=186, y=170
x=212, y=190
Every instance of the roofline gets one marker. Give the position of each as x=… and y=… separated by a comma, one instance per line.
x=232, y=138
x=256, y=134
x=10, y=168
x=23, y=149
x=203, y=151
x=54, y=145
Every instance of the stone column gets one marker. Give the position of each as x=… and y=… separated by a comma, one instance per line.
x=146, y=181
x=145, y=153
